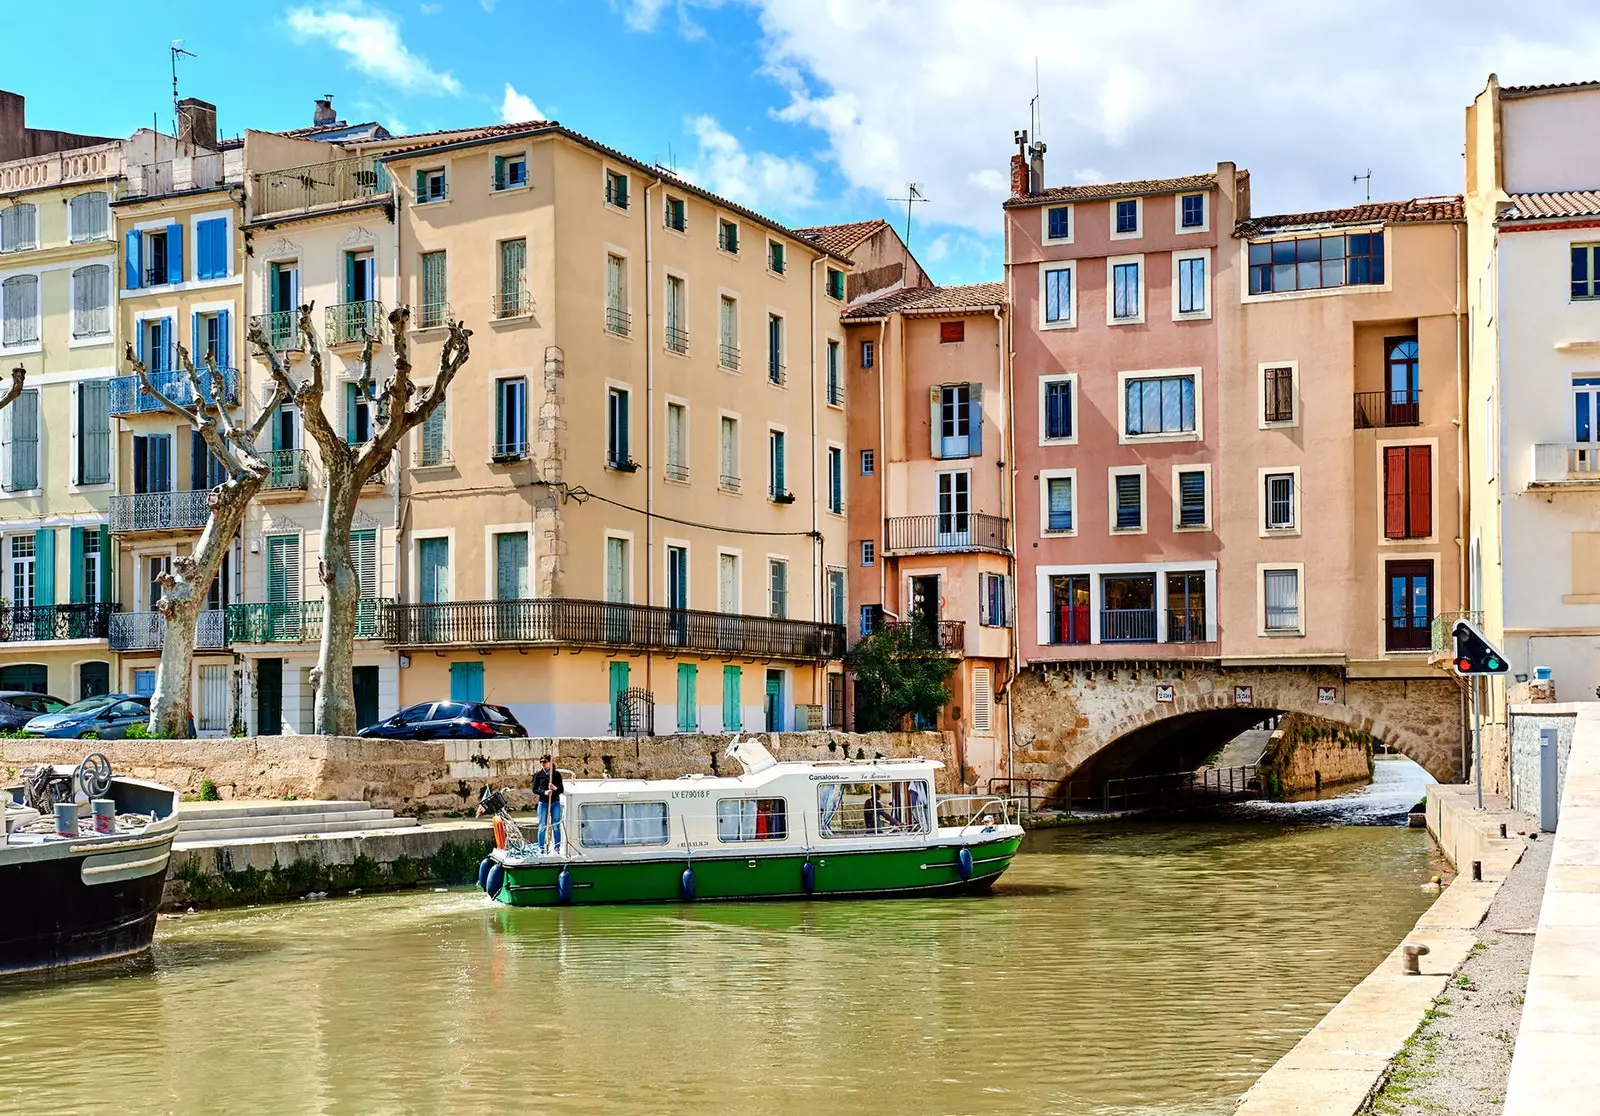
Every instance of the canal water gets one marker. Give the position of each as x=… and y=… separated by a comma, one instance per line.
x=1152, y=968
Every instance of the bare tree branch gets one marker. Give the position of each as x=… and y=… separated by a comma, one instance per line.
x=18, y=375
x=147, y=385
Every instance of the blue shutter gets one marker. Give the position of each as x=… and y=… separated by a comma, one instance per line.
x=202, y=250
x=44, y=566
x=466, y=681
x=166, y=344
x=105, y=563
x=349, y=276
x=224, y=339
x=975, y=411
x=138, y=343
x=75, y=565
x=197, y=351
x=277, y=428
x=131, y=271
x=174, y=253
x=350, y=413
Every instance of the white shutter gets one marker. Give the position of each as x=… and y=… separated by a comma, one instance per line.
x=982, y=702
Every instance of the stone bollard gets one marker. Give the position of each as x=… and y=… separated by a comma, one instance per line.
x=1411, y=964
x=1477, y=871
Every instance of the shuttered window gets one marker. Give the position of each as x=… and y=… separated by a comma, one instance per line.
x=511, y=419
x=89, y=216
x=433, y=570
x=511, y=566
x=677, y=442
x=778, y=580
x=1407, y=492
x=434, y=294
x=1058, y=501
x=982, y=702
x=1192, y=498
x=617, y=427
x=19, y=310
x=211, y=249
x=836, y=480
x=21, y=451
x=1130, y=501
x=732, y=710
x=283, y=568
x=728, y=583
x=94, y=432
x=364, y=557
x=513, y=277
x=1278, y=395
x=433, y=437
x=1058, y=409
x=994, y=604
x=836, y=596
x=729, y=457
x=91, y=301
x=775, y=464
x=19, y=228
x=688, y=709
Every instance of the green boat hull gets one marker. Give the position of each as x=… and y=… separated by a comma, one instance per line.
x=862, y=874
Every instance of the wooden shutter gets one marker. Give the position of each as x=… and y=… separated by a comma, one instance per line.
x=104, y=563
x=732, y=709
x=1419, y=469
x=1394, y=492
x=433, y=435
x=511, y=566
x=44, y=567
x=133, y=249
x=174, y=253
x=283, y=568
x=982, y=702
x=935, y=440
x=688, y=714
x=364, y=557
x=75, y=587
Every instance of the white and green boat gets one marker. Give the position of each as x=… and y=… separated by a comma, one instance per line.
x=829, y=829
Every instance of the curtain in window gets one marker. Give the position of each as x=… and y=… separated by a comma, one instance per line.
x=1059, y=497
x=1057, y=295
x=1282, y=590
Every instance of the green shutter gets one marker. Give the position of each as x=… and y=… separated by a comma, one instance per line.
x=44, y=566
x=75, y=565
x=499, y=172
x=350, y=413
x=422, y=186
x=732, y=715
x=688, y=713
x=364, y=557
x=349, y=276
x=283, y=568
x=466, y=681
x=619, y=683
x=105, y=563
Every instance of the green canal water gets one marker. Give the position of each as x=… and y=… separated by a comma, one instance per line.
x=1147, y=968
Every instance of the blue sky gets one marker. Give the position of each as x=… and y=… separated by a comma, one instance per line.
x=817, y=111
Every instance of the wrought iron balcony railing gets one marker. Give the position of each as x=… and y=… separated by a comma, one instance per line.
x=292, y=621
x=835, y=393
x=946, y=635
x=564, y=622
x=432, y=315
x=1378, y=409
x=281, y=328
x=775, y=373
x=290, y=469
x=1127, y=625
x=677, y=339
x=1443, y=629
x=128, y=399
x=618, y=321
x=728, y=355
x=956, y=531
x=677, y=472
x=512, y=304
x=728, y=482
x=350, y=323
x=159, y=511
x=144, y=631
x=54, y=622
x=337, y=182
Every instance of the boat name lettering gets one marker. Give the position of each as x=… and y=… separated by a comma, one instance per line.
x=691, y=794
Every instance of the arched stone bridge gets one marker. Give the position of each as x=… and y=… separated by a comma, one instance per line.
x=1095, y=720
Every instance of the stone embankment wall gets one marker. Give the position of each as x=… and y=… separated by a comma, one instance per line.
x=1528, y=723
x=1307, y=755
x=437, y=776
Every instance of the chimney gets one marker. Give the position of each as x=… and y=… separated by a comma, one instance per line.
x=324, y=113
x=197, y=123
x=1036, y=167
x=1019, y=164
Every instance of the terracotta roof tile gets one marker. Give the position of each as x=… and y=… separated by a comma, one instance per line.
x=842, y=238
x=1415, y=211
x=1565, y=203
x=416, y=141
x=971, y=296
x=1515, y=91
x=1106, y=190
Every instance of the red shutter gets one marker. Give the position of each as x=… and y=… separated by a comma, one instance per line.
x=1419, y=468
x=952, y=331
x=1394, y=492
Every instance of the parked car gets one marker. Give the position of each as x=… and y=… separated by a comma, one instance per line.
x=18, y=707
x=107, y=716
x=447, y=720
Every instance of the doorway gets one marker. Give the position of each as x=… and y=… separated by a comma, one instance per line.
x=364, y=681
x=269, y=697
x=29, y=677
x=1409, y=606
x=774, y=701
x=925, y=606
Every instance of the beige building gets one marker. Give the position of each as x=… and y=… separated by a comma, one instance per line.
x=633, y=498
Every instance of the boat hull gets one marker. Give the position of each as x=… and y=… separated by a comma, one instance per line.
x=855, y=874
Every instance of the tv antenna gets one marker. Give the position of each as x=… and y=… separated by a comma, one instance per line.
x=914, y=194
x=174, y=49
x=1036, y=105
x=1367, y=178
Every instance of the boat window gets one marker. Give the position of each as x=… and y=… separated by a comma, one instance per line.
x=610, y=824
x=870, y=809
x=752, y=819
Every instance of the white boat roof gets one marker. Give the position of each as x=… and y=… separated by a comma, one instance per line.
x=762, y=770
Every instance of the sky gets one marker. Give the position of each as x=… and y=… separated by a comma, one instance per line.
x=822, y=111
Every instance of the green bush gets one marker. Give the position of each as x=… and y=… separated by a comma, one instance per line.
x=208, y=791
x=136, y=731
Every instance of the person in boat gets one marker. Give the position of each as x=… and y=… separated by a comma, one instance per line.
x=880, y=816
x=547, y=788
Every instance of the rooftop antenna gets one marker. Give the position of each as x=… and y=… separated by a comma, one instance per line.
x=1035, y=105
x=174, y=49
x=913, y=194
x=1367, y=178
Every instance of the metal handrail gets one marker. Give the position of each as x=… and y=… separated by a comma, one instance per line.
x=618, y=321
x=281, y=329
x=511, y=304
x=728, y=356
x=21, y=623
x=977, y=805
x=677, y=339
x=144, y=631
x=128, y=397
x=288, y=469
x=159, y=511
x=946, y=635
x=350, y=323
x=952, y=532
x=319, y=184
x=1375, y=410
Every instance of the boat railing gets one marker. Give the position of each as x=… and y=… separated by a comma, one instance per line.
x=968, y=810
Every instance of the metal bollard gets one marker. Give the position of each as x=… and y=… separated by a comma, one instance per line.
x=105, y=816
x=1410, y=963
x=66, y=819
x=1477, y=871
x=1502, y=831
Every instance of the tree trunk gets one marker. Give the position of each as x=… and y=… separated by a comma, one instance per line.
x=334, y=712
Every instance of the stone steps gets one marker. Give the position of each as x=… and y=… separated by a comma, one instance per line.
x=236, y=821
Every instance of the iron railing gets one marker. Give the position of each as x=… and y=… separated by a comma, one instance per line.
x=565, y=622
x=1176, y=787
x=512, y=304
x=144, y=631
x=292, y=621
x=281, y=328
x=1443, y=628
x=432, y=315
x=349, y=323
x=775, y=373
x=1127, y=625
x=835, y=392
x=676, y=472
x=677, y=339
x=1378, y=409
x=618, y=321
x=127, y=398
x=946, y=635
x=728, y=355
x=1186, y=625
x=728, y=483
x=956, y=531
x=159, y=511
x=1565, y=463
x=318, y=184
x=51, y=622
x=288, y=469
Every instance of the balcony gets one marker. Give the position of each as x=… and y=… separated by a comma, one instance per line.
x=281, y=328
x=319, y=185
x=932, y=534
x=775, y=373
x=677, y=339
x=562, y=622
x=835, y=393
x=1127, y=625
x=728, y=482
x=144, y=631
x=292, y=621
x=618, y=321
x=159, y=511
x=511, y=304
x=127, y=398
x=434, y=315
x=1565, y=464
x=677, y=472
x=1376, y=410
x=289, y=470
x=1444, y=642
x=1186, y=625
x=946, y=635
x=55, y=622
x=351, y=323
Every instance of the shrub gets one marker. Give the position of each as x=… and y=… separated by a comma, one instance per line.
x=208, y=791
x=136, y=731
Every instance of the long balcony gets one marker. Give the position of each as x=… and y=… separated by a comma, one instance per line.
x=128, y=399
x=159, y=511
x=946, y=635
x=562, y=622
x=351, y=323
x=289, y=470
x=1565, y=464
x=292, y=621
x=1375, y=410
x=339, y=182
x=144, y=631
x=24, y=624
x=932, y=534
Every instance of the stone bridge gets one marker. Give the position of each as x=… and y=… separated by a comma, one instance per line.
x=1092, y=721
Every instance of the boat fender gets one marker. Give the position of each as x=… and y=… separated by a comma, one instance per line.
x=564, y=886
x=497, y=876
x=483, y=872
x=808, y=877
x=964, y=863
x=686, y=884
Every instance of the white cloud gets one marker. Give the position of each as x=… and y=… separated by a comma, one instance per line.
x=760, y=180
x=370, y=38
x=643, y=15
x=516, y=108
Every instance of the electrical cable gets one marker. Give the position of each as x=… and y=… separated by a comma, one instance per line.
x=580, y=494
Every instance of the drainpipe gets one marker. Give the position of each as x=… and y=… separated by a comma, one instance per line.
x=649, y=426
x=818, y=555
x=1008, y=360
x=399, y=468
x=881, y=467
x=1463, y=480
x=1007, y=508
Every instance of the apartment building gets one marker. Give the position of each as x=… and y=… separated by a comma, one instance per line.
x=629, y=513
x=56, y=458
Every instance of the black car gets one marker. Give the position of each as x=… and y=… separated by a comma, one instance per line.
x=447, y=720
x=18, y=707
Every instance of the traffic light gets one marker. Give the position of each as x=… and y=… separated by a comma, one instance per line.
x=1474, y=654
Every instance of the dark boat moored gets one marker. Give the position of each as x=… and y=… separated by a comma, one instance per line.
x=91, y=895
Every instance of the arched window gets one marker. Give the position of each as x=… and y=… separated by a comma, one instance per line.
x=19, y=310
x=91, y=301
x=89, y=217
x=94, y=679
x=19, y=228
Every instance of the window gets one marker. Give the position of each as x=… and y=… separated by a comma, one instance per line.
x=434, y=310
x=1586, y=271
x=676, y=214
x=677, y=326
x=1316, y=262
x=873, y=809
x=1057, y=504
x=868, y=552
x=1407, y=492
x=728, y=583
x=1277, y=395
x=1408, y=608
x=212, y=250
x=514, y=300
x=510, y=171
x=510, y=419
x=836, y=480
x=953, y=495
x=868, y=616
x=94, y=432
x=1125, y=300
x=835, y=376
x=1192, y=285
x=868, y=462
x=982, y=701
x=752, y=819
x=1057, y=223
x=1191, y=494
x=777, y=485
x=774, y=348
x=728, y=235
x=617, y=189
x=211, y=337
x=835, y=284
x=617, y=429
x=775, y=256
x=732, y=709
x=728, y=333
x=617, y=318
x=20, y=422
x=1128, y=216
x=359, y=413
x=677, y=442
x=957, y=421
x=19, y=311
x=1127, y=494
x=1057, y=410
x=435, y=449
x=152, y=460
x=866, y=354
x=608, y=825
x=1280, y=501
x=728, y=462
x=1058, y=295
x=19, y=228
x=92, y=565
x=1159, y=405
x=1281, y=600
x=431, y=186
x=994, y=600
x=778, y=589
x=835, y=595
x=89, y=218
x=1192, y=211
x=91, y=301
x=951, y=332
x=23, y=570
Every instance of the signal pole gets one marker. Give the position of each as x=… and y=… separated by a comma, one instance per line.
x=1477, y=741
